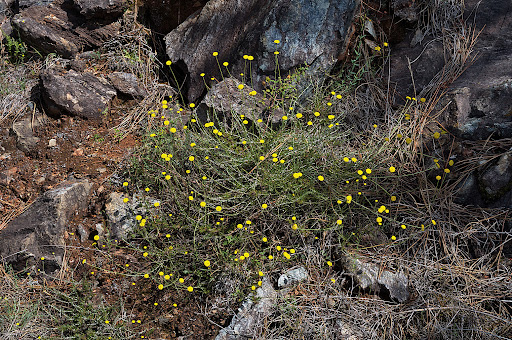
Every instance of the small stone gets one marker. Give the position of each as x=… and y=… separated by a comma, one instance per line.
x=52, y=143
x=292, y=277
x=78, y=152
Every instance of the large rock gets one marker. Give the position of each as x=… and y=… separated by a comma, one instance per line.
x=121, y=216
x=477, y=103
x=40, y=230
x=162, y=16
x=227, y=99
x=489, y=186
x=101, y=9
x=309, y=32
x=77, y=94
x=59, y=28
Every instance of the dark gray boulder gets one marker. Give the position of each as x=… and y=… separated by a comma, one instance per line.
x=58, y=29
x=127, y=85
x=101, y=9
x=39, y=232
x=477, y=103
x=76, y=94
x=162, y=16
x=226, y=99
x=309, y=32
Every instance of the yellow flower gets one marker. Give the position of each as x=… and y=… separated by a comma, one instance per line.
x=270, y=257
x=438, y=177
x=190, y=288
x=386, y=44
x=403, y=226
x=276, y=41
x=264, y=239
x=297, y=174
x=173, y=130
x=423, y=100
x=437, y=135
x=329, y=263
x=225, y=63
x=276, y=52
x=207, y=263
x=298, y=115
x=377, y=48
x=330, y=116
x=125, y=184
x=447, y=171
x=126, y=199
x=392, y=169
x=107, y=322
x=348, y=199
x=317, y=114
x=262, y=141
x=156, y=204
x=285, y=254
x=393, y=238
x=218, y=208
x=278, y=248
x=295, y=226
x=241, y=86
x=354, y=159
x=168, y=62
x=146, y=276
x=252, y=93
x=191, y=158
x=262, y=158
x=264, y=206
x=250, y=58
x=96, y=238
x=215, y=54
x=202, y=74
x=160, y=286
x=368, y=171
x=320, y=178
x=339, y=222
x=167, y=277
x=202, y=204
x=285, y=117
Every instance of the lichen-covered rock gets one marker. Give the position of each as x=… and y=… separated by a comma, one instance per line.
x=226, y=99
x=121, y=216
x=251, y=314
x=309, y=32
x=73, y=93
x=292, y=277
x=370, y=275
x=39, y=232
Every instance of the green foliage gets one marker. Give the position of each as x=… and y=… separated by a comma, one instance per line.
x=15, y=49
x=76, y=316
